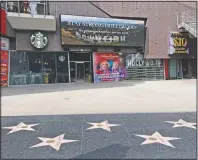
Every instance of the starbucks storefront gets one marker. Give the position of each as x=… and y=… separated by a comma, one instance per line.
x=38, y=67
x=35, y=62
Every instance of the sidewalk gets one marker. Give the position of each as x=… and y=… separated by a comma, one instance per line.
x=117, y=97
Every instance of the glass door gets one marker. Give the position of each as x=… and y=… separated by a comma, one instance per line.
x=87, y=72
x=73, y=71
x=62, y=75
x=49, y=68
x=80, y=71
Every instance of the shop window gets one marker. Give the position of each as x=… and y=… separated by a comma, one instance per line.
x=62, y=68
x=35, y=68
x=49, y=68
x=18, y=68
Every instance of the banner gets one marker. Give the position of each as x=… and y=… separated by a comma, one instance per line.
x=79, y=30
x=108, y=67
x=4, y=60
x=178, y=43
x=2, y=21
x=4, y=68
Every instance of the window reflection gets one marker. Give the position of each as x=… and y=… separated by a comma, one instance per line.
x=38, y=68
x=35, y=68
x=3, y=4
x=18, y=68
x=62, y=68
x=49, y=68
x=28, y=7
x=12, y=6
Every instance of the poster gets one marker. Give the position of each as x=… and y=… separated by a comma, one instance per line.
x=178, y=43
x=4, y=61
x=108, y=66
x=79, y=30
x=4, y=68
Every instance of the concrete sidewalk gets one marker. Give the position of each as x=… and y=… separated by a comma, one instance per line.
x=118, y=97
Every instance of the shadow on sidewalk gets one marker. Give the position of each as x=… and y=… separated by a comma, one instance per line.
x=115, y=151
x=45, y=88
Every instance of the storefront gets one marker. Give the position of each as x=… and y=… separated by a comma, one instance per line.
x=85, y=49
x=38, y=67
x=138, y=68
x=183, y=57
x=99, y=33
x=80, y=66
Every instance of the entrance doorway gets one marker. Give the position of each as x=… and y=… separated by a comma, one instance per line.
x=179, y=69
x=80, y=71
x=80, y=66
x=185, y=68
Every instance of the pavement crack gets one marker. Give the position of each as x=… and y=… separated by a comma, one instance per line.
x=125, y=126
x=82, y=131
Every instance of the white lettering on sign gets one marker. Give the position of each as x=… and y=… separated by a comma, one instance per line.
x=137, y=60
x=4, y=44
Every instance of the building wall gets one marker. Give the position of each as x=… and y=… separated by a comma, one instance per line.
x=69, y=8
x=162, y=18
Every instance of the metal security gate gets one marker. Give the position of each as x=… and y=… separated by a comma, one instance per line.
x=145, y=73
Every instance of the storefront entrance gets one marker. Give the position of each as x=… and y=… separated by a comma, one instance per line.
x=79, y=71
x=80, y=67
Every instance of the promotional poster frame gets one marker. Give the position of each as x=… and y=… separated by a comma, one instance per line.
x=115, y=68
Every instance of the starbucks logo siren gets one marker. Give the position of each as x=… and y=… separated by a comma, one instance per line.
x=38, y=40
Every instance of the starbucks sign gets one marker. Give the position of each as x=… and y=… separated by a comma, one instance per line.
x=38, y=40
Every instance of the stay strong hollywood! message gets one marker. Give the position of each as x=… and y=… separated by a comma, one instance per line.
x=103, y=32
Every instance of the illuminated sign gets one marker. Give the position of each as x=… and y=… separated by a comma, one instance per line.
x=79, y=30
x=178, y=43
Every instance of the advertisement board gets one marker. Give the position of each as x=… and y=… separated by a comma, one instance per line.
x=178, y=43
x=108, y=66
x=4, y=60
x=79, y=30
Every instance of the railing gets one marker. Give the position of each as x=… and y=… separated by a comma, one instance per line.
x=27, y=7
x=188, y=21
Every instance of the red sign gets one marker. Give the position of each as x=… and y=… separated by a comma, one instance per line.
x=4, y=68
x=108, y=66
x=3, y=21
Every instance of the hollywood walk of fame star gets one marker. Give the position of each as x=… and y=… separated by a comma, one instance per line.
x=157, y=138
x=182, y=123
x=53, y=142
x=103, y=125
x=21, y=127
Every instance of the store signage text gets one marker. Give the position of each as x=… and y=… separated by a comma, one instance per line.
x=99, y=39
x=178, y=43
x=136, y=60
x=79, y=30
